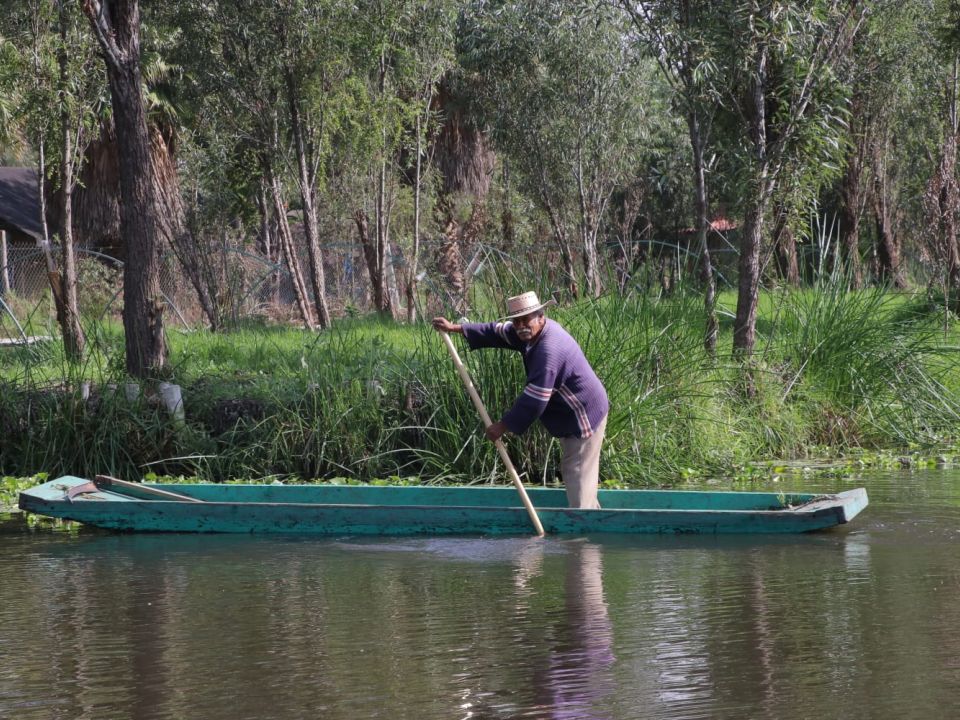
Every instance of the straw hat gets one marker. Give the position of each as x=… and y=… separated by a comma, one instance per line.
x=520, y=305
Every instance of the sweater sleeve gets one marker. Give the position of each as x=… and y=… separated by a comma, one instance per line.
x=495, y=335
x=533, y=400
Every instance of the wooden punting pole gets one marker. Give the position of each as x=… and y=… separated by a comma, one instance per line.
x=481, y=408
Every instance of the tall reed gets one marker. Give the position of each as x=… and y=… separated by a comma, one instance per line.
x=860, y=357
x=371, y=399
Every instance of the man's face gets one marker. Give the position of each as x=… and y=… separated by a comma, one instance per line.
x=529, y=326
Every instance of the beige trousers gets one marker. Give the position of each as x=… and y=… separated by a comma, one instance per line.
x=580, y=468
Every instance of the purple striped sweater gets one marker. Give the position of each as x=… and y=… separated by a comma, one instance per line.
x=562, y=389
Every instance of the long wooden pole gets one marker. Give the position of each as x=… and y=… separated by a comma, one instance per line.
x=481, y=408
x=106, y=482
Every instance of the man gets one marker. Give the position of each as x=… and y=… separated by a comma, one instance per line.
x=562, y=389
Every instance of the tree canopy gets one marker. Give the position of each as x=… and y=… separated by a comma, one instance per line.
x=598, y=147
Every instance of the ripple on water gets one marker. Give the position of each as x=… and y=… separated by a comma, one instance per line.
x=861, y=623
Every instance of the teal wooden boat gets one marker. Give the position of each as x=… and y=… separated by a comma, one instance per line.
x=393, y=510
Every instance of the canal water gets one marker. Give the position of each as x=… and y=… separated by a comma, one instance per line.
x=860, y=622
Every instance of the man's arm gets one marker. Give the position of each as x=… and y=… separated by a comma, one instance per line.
x=441, y=324
x=481, y=335
x=533, y=400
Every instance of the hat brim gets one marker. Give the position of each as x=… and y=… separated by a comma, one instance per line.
x=530, y=311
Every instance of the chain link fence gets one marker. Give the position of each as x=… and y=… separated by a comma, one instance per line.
x=251, y=287
x=254, y=287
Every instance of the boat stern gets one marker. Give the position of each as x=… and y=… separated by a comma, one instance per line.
x=50, y=498
x=852, y=502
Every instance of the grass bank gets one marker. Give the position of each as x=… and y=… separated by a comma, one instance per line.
x=833, y=371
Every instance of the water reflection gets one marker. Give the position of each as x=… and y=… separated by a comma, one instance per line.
x=860, y=623
x=575, y=681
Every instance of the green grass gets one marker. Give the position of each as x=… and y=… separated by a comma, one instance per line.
x=833, y=371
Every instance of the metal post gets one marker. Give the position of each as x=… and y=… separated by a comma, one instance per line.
x=4, y=265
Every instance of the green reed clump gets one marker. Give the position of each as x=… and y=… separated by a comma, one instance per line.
x=867, y=363
x=445, y=426
x=662, y=386
x=370, y=399
x=57, y=428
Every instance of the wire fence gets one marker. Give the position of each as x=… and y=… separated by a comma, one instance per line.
x=257, y=287
x=254, y=287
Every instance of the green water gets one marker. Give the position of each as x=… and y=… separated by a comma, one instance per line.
x=862, y=622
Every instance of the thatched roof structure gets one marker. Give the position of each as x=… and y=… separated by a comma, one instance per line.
x=20, y=204
x=462, y=150
x=96, y=199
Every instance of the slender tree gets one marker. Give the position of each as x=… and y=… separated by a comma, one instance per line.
x=53, y=94
x=942, y=197
x=71, y=132
x=562, y=91
x=312, y=65
x=116, y=25
x=43, y=86
x=780, y=57
x=431, y=60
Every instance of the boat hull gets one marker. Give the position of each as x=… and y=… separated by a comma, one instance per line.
x=378, y=510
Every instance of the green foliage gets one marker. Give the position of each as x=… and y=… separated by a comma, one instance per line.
x=10, y=488
x=583, y=124
x=369, y=399
x=564, y=97
x=101, y=285
x=32, y=92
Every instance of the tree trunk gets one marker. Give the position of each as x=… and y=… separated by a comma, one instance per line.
x=942, y=202
x=267, y=242
x=589, y=218
x=852, y=193
x=308, y=198
x=372, y=257
x=745, y=323
x=289, y=253
x=383, y=293
x=415, y=252
x=949, y=204
x=887, y=247
x=201, y=269
x=703, y=220
x=507, y=223
x=450, y=264
x=566, y=257
x=390, y=275
x=73, y=338
x=4, y=265
x=785, y=247
x=116, y=24
x=563, y=244
x=53, y=274
x=626, y=221
x=458, y=238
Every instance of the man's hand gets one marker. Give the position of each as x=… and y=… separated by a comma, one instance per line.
x=495, y=431
x=441, y=324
